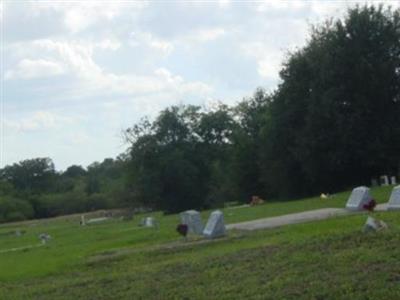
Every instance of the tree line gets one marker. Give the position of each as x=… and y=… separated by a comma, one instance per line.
x=332, y=123
x=33, y=188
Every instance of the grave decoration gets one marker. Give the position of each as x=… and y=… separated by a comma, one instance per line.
x=182, y=229
x=256, y=200
x=324, y=196
x=370, y=205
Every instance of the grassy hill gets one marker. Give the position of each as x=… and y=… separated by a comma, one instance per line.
x=330, y=259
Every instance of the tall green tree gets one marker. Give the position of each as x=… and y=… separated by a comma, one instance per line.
x=252, y=116
x=335, y=116
x=178, y=161
x=32, y=175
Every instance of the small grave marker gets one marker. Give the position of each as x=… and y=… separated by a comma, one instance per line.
x=359, y=196
x=97, y=220
x=215, y=226
x=393, y=180
x=384, y=180
x=44, y=238
x=394, y=200
x=374, y=182
x=192, y=219
x=374, y=225
x=148, y=222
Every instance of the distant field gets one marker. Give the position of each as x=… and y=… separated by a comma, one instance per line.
x=328, y=259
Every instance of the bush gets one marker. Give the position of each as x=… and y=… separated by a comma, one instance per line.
x=13, y=209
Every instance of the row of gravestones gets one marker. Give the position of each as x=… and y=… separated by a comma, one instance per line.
x=215, y=226
x=361, y=196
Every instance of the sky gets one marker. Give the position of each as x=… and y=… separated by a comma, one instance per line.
x=75, y=74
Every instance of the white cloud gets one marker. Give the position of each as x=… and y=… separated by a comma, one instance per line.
x=119, y=76
x=29, y=69
x=204, y=35
x=79, y=138
x=224, y=3
x=146, y=39
x=108, y=44
x=282, y=5
x=38, y=120
x=1, y=11
x=76, y=59
x=78, y=16
x=178, y=84
x=329, y=8
x=268, y=59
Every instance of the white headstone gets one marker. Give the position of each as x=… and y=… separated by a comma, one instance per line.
x=359, y=196
x=374, y=182
x=384, y=180
x=96, y=220
x=192, y=219
x=83, y=222
x=215, y=226
x=44, y=238
x=394, y=200
x=149, y=222
x=374, y=225
x=393, y=180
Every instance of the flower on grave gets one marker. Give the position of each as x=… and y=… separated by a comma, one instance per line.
x=370, y=206
x=182, y=229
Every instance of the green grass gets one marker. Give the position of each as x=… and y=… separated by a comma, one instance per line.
x=329, y=259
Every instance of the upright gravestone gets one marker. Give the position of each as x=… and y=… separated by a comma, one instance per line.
x=393, y=180
x=359, y=196
x=83, y=221
x=374, y=182
x=148, y=222
x=215, y=226
x=394, y=200
x=192, y=219
x=384, y=180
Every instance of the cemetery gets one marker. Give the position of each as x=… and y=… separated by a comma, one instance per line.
x=200, y=150
x=135, y=250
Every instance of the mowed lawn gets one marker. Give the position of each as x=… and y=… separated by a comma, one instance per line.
x=330, y=259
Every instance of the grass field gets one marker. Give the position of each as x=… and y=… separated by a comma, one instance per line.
x=329, y=259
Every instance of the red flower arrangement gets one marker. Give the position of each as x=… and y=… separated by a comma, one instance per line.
x=182, y=229
x=370, y=205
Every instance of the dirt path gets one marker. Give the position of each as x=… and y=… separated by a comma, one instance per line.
x=312, y=215
x=302, y=217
